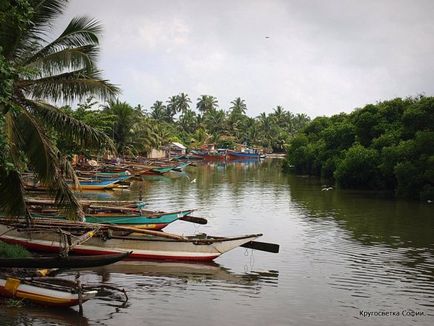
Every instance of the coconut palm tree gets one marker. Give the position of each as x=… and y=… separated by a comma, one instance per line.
x=236, y=116
x=125, y=116
x=45, y=71
x=158, y=111
x=238, y=106
x=188, y=121
x=183, y=102
x=206, y=103
x=215, y=121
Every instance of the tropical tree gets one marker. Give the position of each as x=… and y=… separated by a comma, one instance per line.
x=44, y=71
x=159, y=111
x=188, y=121
x=206, y=103
x=236, y=116
x=172, y=107
x=125, y=116
x=183, y=102
x=215, y=121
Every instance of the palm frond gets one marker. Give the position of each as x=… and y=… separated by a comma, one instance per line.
x=81, y=32
x=68, y=59
x=12, y=201
x=45, y=12
x=69, y=127
x=20, y=38
x=43, y=158
x=69, y=86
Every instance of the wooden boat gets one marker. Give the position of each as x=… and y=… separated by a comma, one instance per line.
x=46, y=291
x=109, y=239
x=128, y=216
x=214, y=156
x=250, y=154
x=122, y=177
x=96, y=184
x=62, y=262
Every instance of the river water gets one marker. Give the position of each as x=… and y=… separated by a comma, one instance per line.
x=346, y=257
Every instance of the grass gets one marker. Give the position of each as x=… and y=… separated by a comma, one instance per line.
x=12, y=251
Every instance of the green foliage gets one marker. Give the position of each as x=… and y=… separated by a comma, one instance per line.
x=387, y=146
x=12, y=251
x=358, y=168
x=36, y=72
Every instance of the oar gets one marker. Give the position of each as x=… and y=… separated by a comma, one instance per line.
x=194, y=219
x=144, y=231
x=52, y=223
x=262, y=246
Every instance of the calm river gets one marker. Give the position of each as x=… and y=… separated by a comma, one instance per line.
x=346, y=257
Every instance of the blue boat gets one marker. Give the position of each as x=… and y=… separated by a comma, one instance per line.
x=248, y=154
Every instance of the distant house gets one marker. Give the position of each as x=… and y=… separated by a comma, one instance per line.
x=208, y=147
x=156, y=153
x=177, y=149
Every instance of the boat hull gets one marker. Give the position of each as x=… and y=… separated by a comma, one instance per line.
x=242, y=156
x=142, y=247
x=62, y=262
x=13, y=288
x=140, y=221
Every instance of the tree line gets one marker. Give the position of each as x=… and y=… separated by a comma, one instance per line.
x=136, y=130
x=384, y=146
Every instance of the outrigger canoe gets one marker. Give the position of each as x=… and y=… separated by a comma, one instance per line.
x=127, y=216
x=46, y=291
x=97, y=184
x=144, y=244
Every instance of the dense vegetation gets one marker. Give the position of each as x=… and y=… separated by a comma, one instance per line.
x=136, y=130
x=386, y=146
x=36, y=71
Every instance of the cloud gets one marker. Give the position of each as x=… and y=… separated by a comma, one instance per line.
x=316, y=57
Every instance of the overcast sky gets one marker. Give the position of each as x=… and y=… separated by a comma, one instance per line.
x=313, y=57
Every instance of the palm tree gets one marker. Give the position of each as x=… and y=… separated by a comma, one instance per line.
x=215, y=121
x=183, y=102
x=238, y=106
x=46, y=71
x=206, y=103
x=125, y=116
x=267, y=128
x=237, y=116
x=159, y=111
x=172, y=107
x=188, y=121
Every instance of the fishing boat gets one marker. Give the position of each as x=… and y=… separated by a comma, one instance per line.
x=46, y=291
x=122, y=177
x=109, y=239
x=89, y=184
x=218, y=155
x=119, y=215
x=247, y=154
x=62, y=262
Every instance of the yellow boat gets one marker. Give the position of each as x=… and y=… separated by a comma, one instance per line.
x=46, y=291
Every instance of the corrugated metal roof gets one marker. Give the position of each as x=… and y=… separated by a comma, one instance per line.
x=179, y=145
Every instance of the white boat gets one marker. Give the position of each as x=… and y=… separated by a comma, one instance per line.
x=156, y=245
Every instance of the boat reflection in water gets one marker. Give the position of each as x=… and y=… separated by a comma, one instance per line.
x=194, y=272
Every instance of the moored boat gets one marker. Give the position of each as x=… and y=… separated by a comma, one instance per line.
x=118, y=215
x=148, y=245
x=62, y=262
x=96, y=184
x=46, y=291
x=248, y=154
